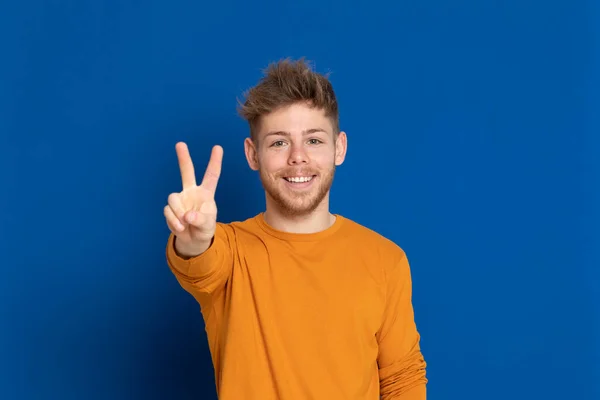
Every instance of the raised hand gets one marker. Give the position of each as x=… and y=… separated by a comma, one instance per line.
x=192, y=213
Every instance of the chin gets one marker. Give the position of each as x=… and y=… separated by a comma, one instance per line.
x=294, y=209
x=297, y=195
x=295, y=201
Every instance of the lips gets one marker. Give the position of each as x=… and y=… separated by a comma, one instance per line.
x=299, y=182
x=299, y=179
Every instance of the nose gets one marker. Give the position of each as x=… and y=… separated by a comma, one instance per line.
x=297, y=155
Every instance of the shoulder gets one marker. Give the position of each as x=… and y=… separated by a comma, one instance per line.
x=371, y=240
x=383, y=256
x=239, y=228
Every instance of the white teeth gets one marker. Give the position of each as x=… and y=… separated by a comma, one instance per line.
x=299, y=179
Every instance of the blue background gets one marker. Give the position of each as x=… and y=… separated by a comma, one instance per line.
x=473, y=143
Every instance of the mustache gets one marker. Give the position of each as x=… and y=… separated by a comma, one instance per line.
x=297, y=172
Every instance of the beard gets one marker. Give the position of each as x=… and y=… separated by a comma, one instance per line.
x=297, y=203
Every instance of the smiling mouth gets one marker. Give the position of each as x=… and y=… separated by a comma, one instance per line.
x=299, y=179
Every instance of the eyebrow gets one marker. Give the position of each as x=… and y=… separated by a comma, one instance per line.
x=287, y=134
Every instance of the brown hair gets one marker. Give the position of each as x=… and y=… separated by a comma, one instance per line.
x=284, y=83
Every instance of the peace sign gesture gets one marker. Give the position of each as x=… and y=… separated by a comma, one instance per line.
x=192, y=213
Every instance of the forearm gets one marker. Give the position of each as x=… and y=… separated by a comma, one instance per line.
x=402, y=367
x=404, y=380
x=418, y=392
x=187, y=251
x=191, y=264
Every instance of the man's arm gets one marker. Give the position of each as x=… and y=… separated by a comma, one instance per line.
x=401, y=364
x=199, y=250
x=203, y=274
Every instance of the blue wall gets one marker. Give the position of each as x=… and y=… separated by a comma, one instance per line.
x=473, y=143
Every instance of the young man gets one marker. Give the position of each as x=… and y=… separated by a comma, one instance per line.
x=298, y=303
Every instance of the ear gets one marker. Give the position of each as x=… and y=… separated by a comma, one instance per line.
x=341, y=146
x=251, y=153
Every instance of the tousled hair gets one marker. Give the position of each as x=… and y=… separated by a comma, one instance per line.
x=288, y=82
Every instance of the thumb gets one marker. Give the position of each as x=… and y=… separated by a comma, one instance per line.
x=197, y=219
x=192, y=217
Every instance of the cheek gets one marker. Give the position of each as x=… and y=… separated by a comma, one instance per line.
x=271, y=165
x=323, y=161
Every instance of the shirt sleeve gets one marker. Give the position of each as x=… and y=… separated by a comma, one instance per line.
x=204, y=275
x=401, y=363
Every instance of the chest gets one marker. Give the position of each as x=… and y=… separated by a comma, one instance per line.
x=309, y=290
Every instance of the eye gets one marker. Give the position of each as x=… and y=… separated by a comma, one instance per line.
x=314, y=141
x=277, y=143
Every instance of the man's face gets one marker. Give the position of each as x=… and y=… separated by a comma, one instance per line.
x=296, y=156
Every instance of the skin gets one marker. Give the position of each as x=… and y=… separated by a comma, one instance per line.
x=296, y=141
x=292, y=141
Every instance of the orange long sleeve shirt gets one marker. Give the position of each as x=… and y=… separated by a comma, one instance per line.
x=292, y=316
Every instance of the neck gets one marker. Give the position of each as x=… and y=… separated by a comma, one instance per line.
x=315, y=221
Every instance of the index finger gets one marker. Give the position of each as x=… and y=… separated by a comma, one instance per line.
x=213, y=170
x=186, y=166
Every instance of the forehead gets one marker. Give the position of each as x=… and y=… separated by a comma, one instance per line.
x=294, y=119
